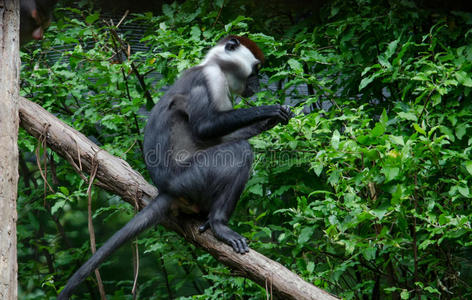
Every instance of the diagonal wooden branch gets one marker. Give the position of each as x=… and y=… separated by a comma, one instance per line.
x=116, y=176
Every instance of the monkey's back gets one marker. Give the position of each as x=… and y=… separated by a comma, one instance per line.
x=167, y=136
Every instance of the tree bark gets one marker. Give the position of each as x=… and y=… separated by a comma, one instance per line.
x=116, y=176
x=9, y=93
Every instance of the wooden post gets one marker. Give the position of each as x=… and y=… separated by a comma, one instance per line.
x=9, y=118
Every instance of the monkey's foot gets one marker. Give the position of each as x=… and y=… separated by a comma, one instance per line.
x=230, y=237
x=226, y=235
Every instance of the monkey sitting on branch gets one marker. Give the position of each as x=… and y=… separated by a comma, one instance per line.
x=196, y=148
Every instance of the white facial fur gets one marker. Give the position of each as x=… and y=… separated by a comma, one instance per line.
x=241, y=57
x=218, y=85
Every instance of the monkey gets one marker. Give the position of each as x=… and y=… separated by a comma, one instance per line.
x=35, y=17
x=196, y=148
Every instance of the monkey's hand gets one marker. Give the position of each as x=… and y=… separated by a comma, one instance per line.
x=280, y=114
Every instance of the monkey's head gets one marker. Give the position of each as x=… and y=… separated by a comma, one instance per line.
x=35, y=17
x=240, y=59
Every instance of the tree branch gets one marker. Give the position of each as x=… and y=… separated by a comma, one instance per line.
x=116, y=176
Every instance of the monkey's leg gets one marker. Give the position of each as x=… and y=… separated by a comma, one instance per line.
x=222, y=210
x=214, y=180
x=230, y=176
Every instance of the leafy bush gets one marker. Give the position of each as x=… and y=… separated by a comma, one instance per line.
x=368, y=194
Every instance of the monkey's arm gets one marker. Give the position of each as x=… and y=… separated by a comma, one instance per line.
x=247, y=121
x=250, y=131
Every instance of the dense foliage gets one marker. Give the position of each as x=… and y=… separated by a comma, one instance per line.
x=366, y=193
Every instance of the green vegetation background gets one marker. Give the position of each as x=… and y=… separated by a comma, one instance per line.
x=370, y=199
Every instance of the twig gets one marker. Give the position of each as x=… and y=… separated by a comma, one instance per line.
x=42, y=143
x=76, y=168
x=93, y=246
x=125, y=50
x=123, y=18
x=136, y=268
x=130, y=147
x=426, y=103
x=78, y=155
x=219, y=14
x=135, y=252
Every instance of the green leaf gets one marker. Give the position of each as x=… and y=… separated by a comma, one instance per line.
x=64, y=190
x=384, y=118
x=317, y=167
x=57, y=205
x=420, y=77
x=256, y=189
x=363, y=139
x=464, y=190
x=369, y=253
x=436, y=99
x=397, y=195
x=405, y=294
x=384, y=61
x=443, y=219
x=468, y=166
x=195, y=33
x=168, y=11
x=432, y=290
x=335, y=139
x=305, y=235
x=365, y=82
x=295, y=65
x=219, y=3
x=373, y=154
x=407, y=116
x=379, y=212
x=461, y=130
x=90, y=19
x=419, y=129
x=463, y=78
x=378, y=130
x=310, y=267
x=398, y=140
x=367, y=69
x=425, y=244
x=333, y=178
x=392, y=46
x=390, y=173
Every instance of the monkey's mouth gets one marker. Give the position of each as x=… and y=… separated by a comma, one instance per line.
x=248, y=93
x=252, y=86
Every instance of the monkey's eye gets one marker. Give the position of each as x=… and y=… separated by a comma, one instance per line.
x=231, y=44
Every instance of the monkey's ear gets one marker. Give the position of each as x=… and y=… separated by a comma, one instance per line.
x=231, y=44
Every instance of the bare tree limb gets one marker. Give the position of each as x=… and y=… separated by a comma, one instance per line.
x=9, y=92
x=116, y=176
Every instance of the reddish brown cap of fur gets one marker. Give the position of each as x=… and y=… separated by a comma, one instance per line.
x=251, y=45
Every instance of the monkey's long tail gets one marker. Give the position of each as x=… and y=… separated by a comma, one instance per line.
x=152, y=214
